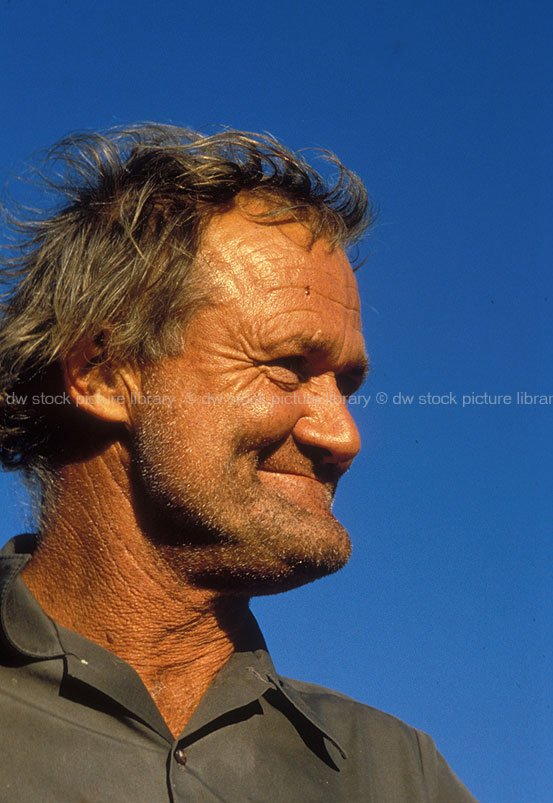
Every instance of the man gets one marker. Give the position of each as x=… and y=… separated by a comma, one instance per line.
x=176, y=359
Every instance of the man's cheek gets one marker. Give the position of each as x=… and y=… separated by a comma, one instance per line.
x=267, y=432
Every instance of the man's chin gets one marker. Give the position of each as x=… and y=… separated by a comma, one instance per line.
x=278, y=534
x=261, y=580
x=262, y=560
x=319, y=546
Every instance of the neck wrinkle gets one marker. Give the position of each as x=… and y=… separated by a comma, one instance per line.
x=107, y=584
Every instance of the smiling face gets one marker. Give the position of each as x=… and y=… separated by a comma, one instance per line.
x=240, y=468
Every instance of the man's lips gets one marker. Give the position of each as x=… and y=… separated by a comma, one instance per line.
x=306, y=490
x=289, y=472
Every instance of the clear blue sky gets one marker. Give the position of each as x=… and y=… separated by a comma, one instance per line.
x=443, y=616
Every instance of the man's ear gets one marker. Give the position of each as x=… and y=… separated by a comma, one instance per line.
x=99, y=387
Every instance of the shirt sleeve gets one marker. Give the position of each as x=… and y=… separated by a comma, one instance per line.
x=444, y=786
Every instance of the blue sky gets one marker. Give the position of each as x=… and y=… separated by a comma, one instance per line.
x=443, y=616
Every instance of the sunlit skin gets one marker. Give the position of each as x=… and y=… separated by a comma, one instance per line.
x=259, y=433
x=157, y=543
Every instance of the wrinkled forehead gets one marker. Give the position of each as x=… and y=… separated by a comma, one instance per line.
x=248, y=260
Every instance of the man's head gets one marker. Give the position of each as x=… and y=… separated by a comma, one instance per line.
x=212, y=269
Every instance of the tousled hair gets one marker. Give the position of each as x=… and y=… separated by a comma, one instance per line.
x=115, y=254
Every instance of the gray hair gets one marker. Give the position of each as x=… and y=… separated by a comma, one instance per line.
x=117, y=250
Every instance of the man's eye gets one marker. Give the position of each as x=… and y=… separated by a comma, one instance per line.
x=288, y=369
x=350, y=383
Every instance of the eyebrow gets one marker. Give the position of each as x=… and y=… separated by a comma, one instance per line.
x=359, y=368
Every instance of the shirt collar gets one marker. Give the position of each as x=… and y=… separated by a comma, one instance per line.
x=28, y=630
x=24, y=625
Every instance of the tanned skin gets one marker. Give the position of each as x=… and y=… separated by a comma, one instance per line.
x=156, y=543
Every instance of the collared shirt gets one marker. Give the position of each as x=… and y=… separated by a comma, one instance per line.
x=79, y=726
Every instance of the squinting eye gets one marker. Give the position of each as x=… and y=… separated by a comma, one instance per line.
x=350, y=383
x=288, y=369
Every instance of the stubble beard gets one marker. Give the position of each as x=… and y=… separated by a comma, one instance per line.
x=226, y=530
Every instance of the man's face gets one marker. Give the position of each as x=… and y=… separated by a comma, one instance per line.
x=241, y=466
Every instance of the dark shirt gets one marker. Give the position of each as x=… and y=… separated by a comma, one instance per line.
x=78, y=724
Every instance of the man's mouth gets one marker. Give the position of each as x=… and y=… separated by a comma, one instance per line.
x=289, y=472
x=306, y=490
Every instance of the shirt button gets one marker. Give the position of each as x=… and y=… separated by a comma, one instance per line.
x=180, y=756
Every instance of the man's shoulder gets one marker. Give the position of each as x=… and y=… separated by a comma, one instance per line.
x=385, y=744
x=347, y=713
x=316, y=692
x=329, y=701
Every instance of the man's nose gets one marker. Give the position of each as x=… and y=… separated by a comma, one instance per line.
x=327, y=425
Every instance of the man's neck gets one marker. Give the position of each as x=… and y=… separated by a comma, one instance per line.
x=95, y=573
